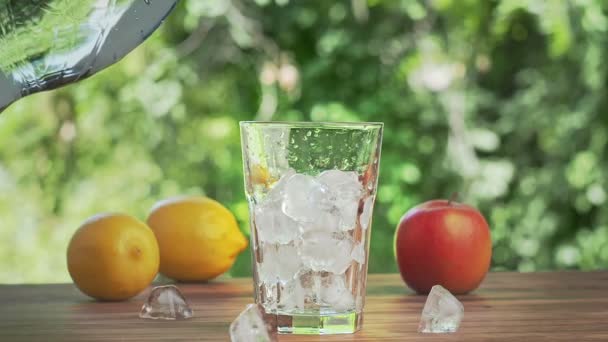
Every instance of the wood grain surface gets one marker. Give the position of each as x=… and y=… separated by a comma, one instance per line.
x=556, y=306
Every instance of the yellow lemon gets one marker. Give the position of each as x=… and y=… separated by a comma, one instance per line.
x=260, y=175
x=113, y=257
x=199, y=238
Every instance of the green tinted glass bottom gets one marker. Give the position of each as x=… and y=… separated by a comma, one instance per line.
x=312, y=324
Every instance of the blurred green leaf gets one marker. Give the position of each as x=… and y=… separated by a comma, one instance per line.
x=501, y=101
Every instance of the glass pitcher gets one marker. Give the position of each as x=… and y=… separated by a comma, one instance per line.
x=45, y=44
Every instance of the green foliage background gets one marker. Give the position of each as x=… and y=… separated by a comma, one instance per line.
x=502, y=101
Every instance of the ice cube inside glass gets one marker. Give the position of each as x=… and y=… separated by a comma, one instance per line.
x=311, y=189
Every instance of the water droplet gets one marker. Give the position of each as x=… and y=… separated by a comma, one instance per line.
x=114, y=57
x=147, y=2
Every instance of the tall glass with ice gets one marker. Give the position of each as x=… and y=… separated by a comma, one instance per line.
x=311, y=188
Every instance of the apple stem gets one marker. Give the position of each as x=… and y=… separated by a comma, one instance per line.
x=453, y=198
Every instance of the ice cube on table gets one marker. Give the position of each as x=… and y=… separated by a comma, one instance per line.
x=280, y=262
x=442, y=312
x=304, y=198
x=325, y=251
x=253, y=325
x=166, y=302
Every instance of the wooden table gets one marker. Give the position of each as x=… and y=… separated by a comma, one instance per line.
x=557, y=306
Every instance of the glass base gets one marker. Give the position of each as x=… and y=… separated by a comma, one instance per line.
x=320, y=324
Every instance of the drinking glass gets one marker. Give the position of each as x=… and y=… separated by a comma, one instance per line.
x=311, y=188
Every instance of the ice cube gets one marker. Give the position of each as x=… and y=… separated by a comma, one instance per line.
x=325, y=251
x=253, y=325
x=279, y=262
x=341, y=181
x=345, y=192
x=293, y=295
x=278, y=189
x=312, y=290
x=336, y=294
x=304, y=198
x=442, y=312
x=268, y=295
x=272, y=225
x=367, y=212
x=165, y=302
x=307, y=292
x=325, y=221
x=358, y=253
x=347, y=209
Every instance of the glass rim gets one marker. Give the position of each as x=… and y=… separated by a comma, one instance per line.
x=314, y=124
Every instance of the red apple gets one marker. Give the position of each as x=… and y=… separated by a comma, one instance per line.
x=443, y=242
